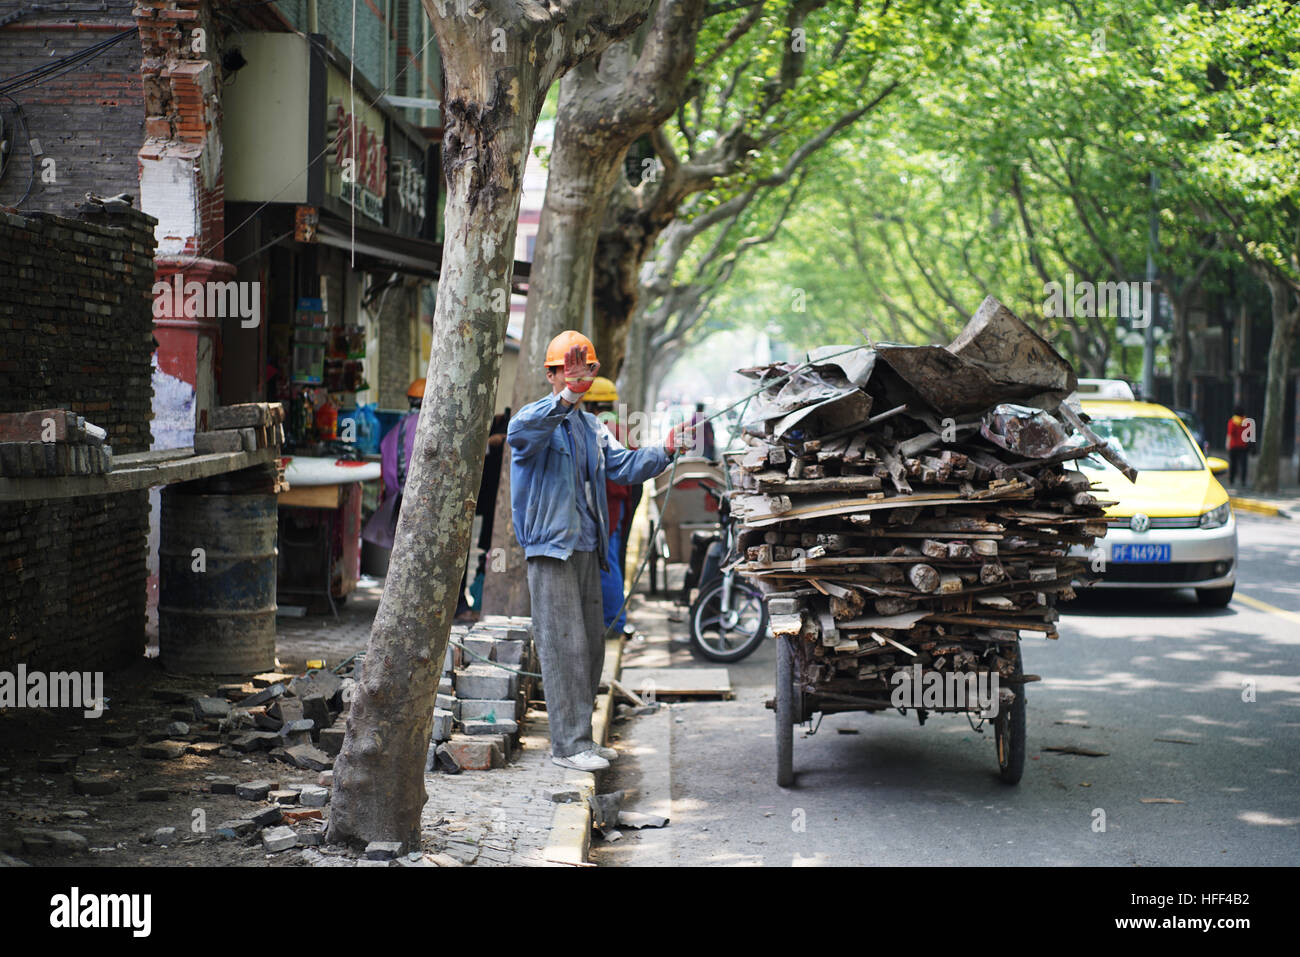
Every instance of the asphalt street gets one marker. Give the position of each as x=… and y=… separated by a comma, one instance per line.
x=1151, y=679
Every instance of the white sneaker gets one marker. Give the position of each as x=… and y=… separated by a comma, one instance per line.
x=582, y=761
x=609, y=754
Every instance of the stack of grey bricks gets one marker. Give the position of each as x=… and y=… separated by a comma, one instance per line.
x=484, y=691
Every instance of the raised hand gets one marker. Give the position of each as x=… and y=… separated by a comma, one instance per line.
x=579, y=374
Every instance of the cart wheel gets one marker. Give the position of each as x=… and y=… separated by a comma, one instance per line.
x=785, y=714
x=1009, y=731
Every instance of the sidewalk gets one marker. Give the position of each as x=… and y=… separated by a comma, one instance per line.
x=93, y=793
x=503, y=817
x=1284, y=503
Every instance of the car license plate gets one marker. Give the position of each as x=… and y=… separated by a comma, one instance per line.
x=1140, y=553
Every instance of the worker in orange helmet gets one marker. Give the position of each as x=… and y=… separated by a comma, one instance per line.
x=561, y=460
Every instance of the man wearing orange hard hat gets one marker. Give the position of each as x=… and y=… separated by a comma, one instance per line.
x=561, y=460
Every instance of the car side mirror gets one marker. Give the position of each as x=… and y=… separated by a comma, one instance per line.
x=1217, y=465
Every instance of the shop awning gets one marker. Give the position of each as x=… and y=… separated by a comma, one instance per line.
x=380, y=249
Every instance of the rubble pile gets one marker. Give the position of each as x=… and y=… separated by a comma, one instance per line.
x=911, y=505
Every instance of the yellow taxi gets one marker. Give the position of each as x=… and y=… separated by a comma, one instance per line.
x=1173, y=527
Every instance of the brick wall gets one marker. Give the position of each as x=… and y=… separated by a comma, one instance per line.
x=76, y=332
x=88, y=122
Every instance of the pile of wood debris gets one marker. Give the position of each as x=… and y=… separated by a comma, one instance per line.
x=906, y=505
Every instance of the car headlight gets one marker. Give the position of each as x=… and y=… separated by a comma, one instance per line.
x=1217, y=516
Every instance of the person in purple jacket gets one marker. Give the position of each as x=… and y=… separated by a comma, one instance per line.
x=393, y=467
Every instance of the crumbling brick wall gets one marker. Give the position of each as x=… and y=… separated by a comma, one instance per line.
x=76, y=332
x=87, y=123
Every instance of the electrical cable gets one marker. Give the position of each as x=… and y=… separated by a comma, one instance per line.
x=31, y=157
x=43, y=74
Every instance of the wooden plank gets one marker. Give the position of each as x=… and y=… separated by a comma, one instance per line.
x=312, y=496
x=133, y=472
x=653, y=683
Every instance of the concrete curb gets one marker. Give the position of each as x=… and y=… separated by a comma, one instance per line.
x=570, y=840
x=1258, y=507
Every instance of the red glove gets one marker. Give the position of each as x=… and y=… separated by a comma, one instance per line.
x=579, y=374
x=680, y=441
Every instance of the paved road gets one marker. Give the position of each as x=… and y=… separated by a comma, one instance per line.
x=1127, y=670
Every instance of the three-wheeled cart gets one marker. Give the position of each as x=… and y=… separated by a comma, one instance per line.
x=798, y=699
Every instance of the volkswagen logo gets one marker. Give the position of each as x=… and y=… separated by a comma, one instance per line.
x=1139, y=522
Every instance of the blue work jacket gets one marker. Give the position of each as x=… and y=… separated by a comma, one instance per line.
x=543, y=480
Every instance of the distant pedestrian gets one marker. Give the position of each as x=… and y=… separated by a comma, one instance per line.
x=1238, y=447
x=600, y=401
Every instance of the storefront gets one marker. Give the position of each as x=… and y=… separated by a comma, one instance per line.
x=332, y=209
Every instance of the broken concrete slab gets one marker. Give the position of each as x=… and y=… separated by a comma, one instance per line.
x=204, y=749
x=269, y=693
x=255, y=741
x=501, y=726
x=165, y=750
x=560, y=795
x=383, y=850
x=331, y=740
x=485, y=681
x=266, y=817
x=313, y=796
x=442, y=725
x=211, y=709
x=316, y=707
x=153, y=794
x=637, y=820
x=317, y=682
x=488, y=709
x=97, y=785
x=276, y=839
x=119, y=739
x=254, y=790
x=240, y=827
x=303, y=756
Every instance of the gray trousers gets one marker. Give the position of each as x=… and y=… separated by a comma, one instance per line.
x=569, y=630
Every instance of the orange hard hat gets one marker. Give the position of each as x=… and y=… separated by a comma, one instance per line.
x=566, y=340
x=415, y=390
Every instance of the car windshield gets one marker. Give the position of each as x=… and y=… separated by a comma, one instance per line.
x=1149, y=444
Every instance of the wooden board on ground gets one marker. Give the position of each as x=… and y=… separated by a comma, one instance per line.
x=678, y=682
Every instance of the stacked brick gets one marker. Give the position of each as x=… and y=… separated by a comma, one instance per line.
x=76, y=333
x=483, y=694
x=246, y=427
x=52, y=442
